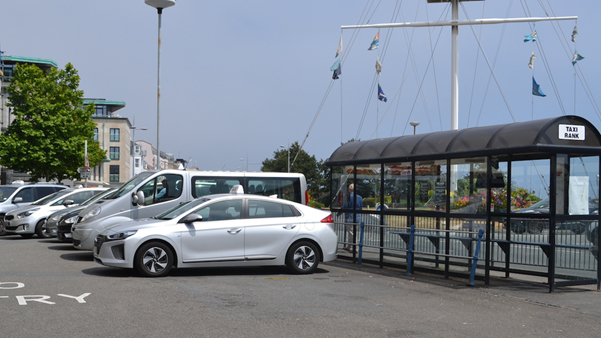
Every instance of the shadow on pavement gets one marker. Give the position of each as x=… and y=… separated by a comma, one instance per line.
x=281, y=272
x=79, y=256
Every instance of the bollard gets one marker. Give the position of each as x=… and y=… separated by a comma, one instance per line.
x=410, y=252
x=475, y=260
x=361, y=243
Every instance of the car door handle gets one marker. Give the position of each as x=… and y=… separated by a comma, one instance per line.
x=234, y=231
x=289, y=227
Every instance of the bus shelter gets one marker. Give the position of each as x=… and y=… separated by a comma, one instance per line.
x=532, y=187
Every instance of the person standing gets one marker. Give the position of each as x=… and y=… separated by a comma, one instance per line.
x=355, y=202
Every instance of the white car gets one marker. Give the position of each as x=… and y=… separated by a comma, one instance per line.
x=29, y=220
x=233, y=229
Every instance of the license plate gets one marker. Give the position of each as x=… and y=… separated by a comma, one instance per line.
x=95, y=250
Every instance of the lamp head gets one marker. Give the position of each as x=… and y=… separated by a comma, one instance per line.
x=160, y=3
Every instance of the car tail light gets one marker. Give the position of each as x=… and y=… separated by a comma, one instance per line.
x=328, y=219
x=306, y=197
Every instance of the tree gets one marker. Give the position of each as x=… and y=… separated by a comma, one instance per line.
x=316, y=172
x=46, y=138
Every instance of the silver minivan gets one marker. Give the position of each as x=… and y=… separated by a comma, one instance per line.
x=153, y=192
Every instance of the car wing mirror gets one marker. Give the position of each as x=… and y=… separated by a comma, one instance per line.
x=137, y=198
x=17, y=199
x=191, y=218
x=67, y=203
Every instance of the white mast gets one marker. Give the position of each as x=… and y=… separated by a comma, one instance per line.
x=455, y=23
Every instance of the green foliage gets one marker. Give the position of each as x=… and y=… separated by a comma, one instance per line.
x=316, y=172
x=46, y=138
x=369, y=202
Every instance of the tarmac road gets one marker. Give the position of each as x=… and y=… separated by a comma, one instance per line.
x=48, y=289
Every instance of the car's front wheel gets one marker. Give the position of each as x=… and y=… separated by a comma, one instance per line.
x=302, y=257
x=41, y=231
x=154, y=259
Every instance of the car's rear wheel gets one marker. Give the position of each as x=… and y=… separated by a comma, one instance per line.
x=535, y=227
x=41, y=231
x=154, y=259
x=302, y=257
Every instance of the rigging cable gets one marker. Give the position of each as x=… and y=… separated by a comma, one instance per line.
x=491, y=69
x=343, y=57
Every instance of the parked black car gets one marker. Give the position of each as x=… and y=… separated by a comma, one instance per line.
x=533, y=226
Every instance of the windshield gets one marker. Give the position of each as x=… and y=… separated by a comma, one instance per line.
x=129, y=185
x=48, y=199
x=5, y=193
x=181, y=209
x=540, y=204
x=104, y=194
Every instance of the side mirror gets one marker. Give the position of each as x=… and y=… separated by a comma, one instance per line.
x=134, y=199
x=140, y=195
x=67, y=203
x=191, y=218
x=17, y=199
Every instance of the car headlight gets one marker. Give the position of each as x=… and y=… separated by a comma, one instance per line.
x=120, y=235
x=95, y=211
x=55, y=218
x=27, y=213
x=71, y=220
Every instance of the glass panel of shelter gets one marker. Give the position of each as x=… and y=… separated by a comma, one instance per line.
x=576, y=227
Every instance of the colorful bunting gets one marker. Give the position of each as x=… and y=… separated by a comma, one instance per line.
x=335, y=65
x=531, y=37
x=536, y=89
x=337, y=70
x=339, y=50
x=574, y=33
x=378, y=66
x=531, y=63
x=577, y=57
x=375, y=42
x=381, y=95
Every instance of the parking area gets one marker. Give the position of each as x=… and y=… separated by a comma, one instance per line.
x=48, y=288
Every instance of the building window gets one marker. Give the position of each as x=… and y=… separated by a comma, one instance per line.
x=137, y=162
x=114, y=173
x=115, y=135
x=96, y=134
x=114, y=153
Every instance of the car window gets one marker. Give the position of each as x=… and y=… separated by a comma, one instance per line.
x=43, y=191
x=221, y=211
x=203, y=186
x=26, y=194
x=267, y=209
x=5, y=193
x=162, y=188
x=77, y=198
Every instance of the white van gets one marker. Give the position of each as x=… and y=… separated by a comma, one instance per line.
x=153, y=192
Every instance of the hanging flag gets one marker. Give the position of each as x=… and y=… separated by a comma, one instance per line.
x=531, y=63
x=375, y=43
x=337, y=71
x=378, y=66
x=536, y=89
x=531, y=37
x=335, y=65
x=577, y=57
x=574, y=33
x=339, y=51
x=381, y=95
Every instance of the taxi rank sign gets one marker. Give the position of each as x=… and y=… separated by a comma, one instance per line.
x=571, y=132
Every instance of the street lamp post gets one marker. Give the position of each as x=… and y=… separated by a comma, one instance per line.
x=132, y=150
x=159, y=5
x=414, y=124
x=288, y=155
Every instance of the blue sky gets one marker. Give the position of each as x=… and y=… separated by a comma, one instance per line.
x=240, y=78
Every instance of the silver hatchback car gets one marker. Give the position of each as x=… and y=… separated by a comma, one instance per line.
x=233, y=229
x=29, y=220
